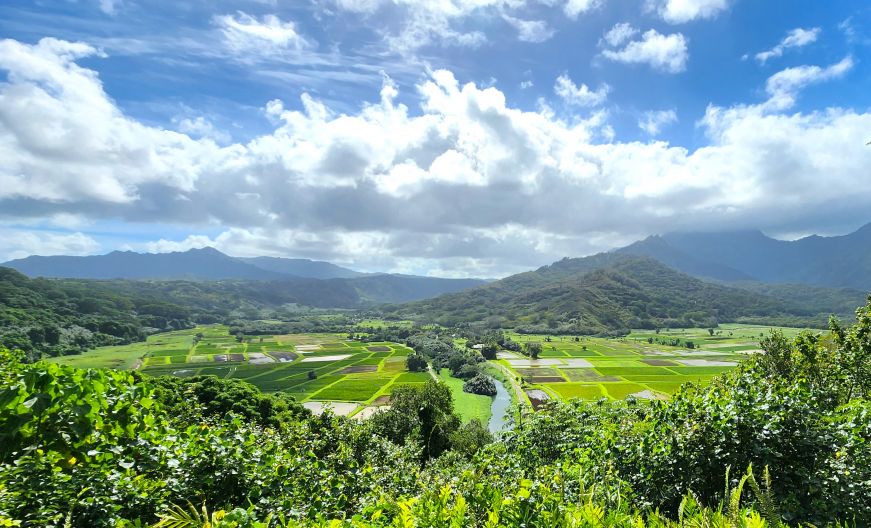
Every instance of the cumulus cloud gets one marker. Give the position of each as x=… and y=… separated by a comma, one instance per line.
x=62, y=139
x=666, y=53
x=20, y=243
x=530, y=30
x=201, y=127
x=794, y=39
x=463, y=180
x=783, y=87
x=653, y=121
x=619, y=34
x=246, y=35
x=681, y=11
x=579, y=95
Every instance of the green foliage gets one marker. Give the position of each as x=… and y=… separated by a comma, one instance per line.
x=480, y=384
x=416, y=362
x=90, y=448
x=217, y=397
x=422, y=416
x=61, y=317
x=608, y=294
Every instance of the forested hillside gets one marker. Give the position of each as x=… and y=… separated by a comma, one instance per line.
x=50, y=317
x=781, y=441
x=610, y=292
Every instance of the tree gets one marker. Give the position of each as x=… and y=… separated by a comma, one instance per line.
x=470, y=438
x=489, y=350
x=533, y=350
x=416, y=362
x=425, y=415
x=480, y=384
x=711, y=332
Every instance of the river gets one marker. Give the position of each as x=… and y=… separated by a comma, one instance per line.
x=500, y=408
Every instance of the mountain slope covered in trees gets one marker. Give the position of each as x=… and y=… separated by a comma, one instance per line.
x=42, y=316
x=608, y=292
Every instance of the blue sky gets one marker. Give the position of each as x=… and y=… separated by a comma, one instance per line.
x=452, y=138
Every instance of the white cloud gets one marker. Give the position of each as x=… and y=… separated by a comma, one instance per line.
x=573, y=8
x=203, y=128
x=579, y=95
x=681, y=11
x=619, y=34
x=794, y=39
x=464, y=180
x=667, y=53
x=246, y=35
x=530, y=30
x=524, y=85
x=783, y=87
x=409, y=25
x=63, y=140
x=20, y=243
x=652, y=122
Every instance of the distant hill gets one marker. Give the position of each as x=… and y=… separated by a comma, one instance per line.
x=602, y=293
x=201, y=264
x=312, y=269
x=838, y=261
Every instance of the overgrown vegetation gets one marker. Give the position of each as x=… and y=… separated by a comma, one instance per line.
x=58, y=317
x=103, y=448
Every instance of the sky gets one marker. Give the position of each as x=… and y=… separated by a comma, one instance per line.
x=440, y=137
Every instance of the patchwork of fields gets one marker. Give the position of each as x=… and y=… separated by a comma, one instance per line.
x=314, y=368
x=593, y=368
x=356, y=378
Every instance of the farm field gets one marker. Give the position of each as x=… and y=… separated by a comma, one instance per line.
x=319, y=370
x=593, y=368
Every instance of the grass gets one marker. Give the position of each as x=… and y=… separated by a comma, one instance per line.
x=115, y=357
x=348, y=390
x=618, y=364
x=587, y=391
x=468, y=406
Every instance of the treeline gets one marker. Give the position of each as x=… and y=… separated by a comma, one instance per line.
x=60, y=317
x=465, y=364
x=782, y=440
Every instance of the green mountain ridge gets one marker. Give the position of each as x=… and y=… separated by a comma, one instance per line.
x=612, y=291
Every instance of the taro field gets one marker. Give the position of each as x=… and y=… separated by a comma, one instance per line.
x=319, y=370
x=644, y=364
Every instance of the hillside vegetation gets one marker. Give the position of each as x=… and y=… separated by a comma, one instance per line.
x=41, y=316
x=783, y=440
x=608, y=292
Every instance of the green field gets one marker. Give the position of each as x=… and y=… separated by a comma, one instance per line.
x=312, y=367
x=467, y=405
x=593, y=368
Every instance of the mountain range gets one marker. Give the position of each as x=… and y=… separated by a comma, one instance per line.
x=195, y=264
x=838, y=261
x=612, y=291
x=273, y=281
x=666, y=280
